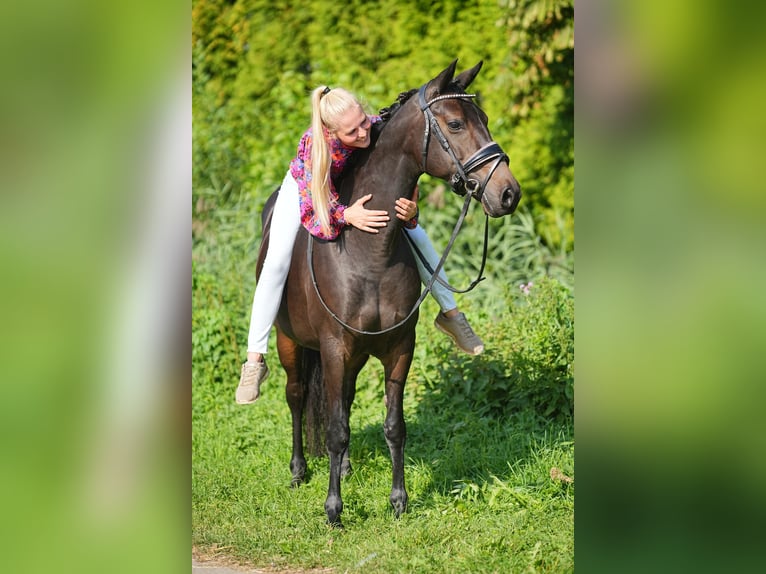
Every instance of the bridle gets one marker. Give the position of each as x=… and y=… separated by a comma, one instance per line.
x=460, y=182
x=461, y=185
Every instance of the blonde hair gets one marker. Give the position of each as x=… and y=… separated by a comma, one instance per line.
x=327, y=105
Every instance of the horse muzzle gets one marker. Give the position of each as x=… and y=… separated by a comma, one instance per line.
x=504, y=201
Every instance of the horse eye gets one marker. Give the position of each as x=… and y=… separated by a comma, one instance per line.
x=455, y=125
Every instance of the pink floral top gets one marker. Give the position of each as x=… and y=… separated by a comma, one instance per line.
x=300, y=168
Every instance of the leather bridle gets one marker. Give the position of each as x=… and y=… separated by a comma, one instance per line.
x=461, y=183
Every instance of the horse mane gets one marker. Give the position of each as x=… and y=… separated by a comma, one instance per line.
x=387, y=113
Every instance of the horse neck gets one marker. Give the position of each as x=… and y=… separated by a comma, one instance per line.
x=388, y=171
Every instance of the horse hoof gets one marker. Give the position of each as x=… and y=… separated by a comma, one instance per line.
x=336, y=524
x=399, y=506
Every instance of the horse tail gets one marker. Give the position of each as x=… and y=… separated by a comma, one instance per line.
x=314, y=408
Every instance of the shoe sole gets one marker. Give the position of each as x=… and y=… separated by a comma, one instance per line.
x=457, y=344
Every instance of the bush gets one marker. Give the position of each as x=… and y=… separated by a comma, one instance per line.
x=214, y=337
x=255, y=63
x=528, y=362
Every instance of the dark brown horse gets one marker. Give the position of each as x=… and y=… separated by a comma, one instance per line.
x=357, y=296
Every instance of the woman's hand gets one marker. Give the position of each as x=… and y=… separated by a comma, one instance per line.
x=365, y=219
x=407, y=209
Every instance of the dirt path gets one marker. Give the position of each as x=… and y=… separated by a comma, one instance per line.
x=215, y=562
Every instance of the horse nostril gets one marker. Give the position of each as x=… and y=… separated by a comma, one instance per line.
x=510, y=198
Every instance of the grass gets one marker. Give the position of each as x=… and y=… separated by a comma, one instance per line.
x=481, y=495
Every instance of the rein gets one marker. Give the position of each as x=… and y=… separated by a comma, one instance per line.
x=480, y=277
x=423, y=294
x=461, y=184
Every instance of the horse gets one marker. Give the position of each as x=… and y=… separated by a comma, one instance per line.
x=357, y=296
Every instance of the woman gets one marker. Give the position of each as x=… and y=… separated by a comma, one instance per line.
x=308, y=197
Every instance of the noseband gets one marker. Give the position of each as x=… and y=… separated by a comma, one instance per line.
x=461, y=183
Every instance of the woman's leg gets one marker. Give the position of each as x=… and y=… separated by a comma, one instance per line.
x=443, y=296
x=285, y=222
x=450, y=320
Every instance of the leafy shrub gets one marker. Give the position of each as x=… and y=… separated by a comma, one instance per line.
x=254, y=64
x=528, y=362
x=541, y=349
x=214, y=340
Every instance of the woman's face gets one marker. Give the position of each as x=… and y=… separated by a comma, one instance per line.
x=354, y=128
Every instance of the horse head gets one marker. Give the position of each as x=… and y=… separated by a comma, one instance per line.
x=465, y=154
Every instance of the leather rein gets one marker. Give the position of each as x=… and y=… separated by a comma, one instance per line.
x=461, y=185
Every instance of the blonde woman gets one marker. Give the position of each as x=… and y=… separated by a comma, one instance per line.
x=307, y=197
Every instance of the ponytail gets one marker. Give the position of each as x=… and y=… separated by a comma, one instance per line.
x=326, y=106
x=320, y=162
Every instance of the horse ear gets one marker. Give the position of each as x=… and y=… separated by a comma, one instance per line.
x=465, y=78
x=440, y=83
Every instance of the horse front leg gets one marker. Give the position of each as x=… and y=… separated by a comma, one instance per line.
x=337, y=446
x=395, y=428
x=340, y=387
x=290, y=357
x=353, y=372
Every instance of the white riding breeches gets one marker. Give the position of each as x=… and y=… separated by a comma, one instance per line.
x=285, y=222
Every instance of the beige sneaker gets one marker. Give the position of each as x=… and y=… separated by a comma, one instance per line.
x=249, y=389
x=458, y=328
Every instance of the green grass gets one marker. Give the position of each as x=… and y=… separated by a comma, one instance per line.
x=477, y=467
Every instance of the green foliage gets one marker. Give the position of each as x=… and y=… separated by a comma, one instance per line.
x=541, y=33
x=539, y=336
x=528, y=364
x=543, y=161
x=214, y=341
x=538, y=71
x=255, y=62
x=519, y=253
